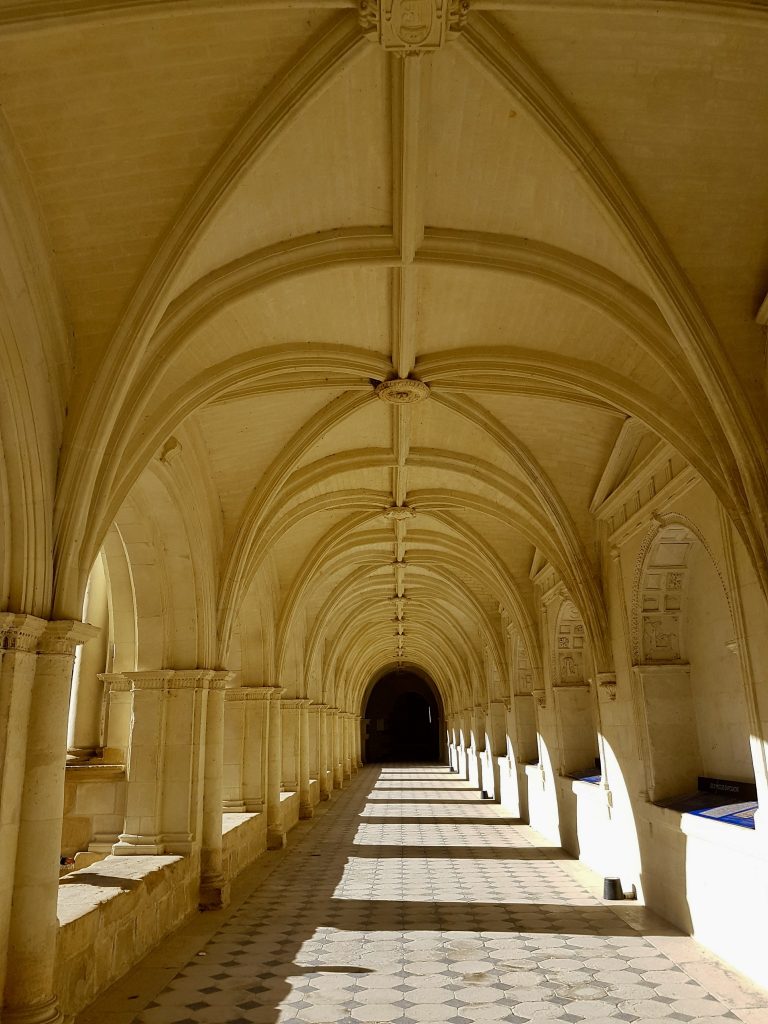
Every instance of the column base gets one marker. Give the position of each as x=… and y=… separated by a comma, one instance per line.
x=325, y=794
x=83, y=755
x=139, y=848
x=44, y=1013
x=306, y=811
x=276, y=839
x=214, y=894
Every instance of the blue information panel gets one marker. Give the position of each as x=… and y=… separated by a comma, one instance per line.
x=734, y=803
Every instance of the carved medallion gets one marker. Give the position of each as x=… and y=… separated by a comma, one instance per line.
x=402, y=391
x=399, y=513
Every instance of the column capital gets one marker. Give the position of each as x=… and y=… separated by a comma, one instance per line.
x=63, y=636
x=149, y=679
x=115, y=681
x=294, y=703
x=190, y=679
x=333, y=711
x=20, y=632
x=317, y=707
x=238, y=693
x=219, y=679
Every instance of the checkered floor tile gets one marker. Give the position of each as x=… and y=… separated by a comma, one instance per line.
x=414, y=901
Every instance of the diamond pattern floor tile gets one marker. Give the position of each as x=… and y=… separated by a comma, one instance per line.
x=415, y=901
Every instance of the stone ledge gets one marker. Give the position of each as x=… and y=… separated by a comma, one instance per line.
x=113, y=913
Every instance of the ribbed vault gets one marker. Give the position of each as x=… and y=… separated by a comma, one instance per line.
x=469, y=220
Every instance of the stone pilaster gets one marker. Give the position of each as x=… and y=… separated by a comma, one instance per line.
x=246, y=748
x=358, y=725
x=214, y=889
x=117, y=717
x=34, y=927
x=346, y=744
x=305, y=800
x=234, y=750
x=291, y=728
x=323, y=756
x=84, y=739
x=336, y=754
x=275, y=831
x=142, y=833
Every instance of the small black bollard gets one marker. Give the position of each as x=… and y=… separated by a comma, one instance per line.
x=612, y=889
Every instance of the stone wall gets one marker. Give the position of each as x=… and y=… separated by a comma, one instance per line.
x=112, y=914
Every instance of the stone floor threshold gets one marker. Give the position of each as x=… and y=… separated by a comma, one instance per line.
x=408, y=899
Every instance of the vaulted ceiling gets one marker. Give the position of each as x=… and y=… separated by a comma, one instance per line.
x=553, y=222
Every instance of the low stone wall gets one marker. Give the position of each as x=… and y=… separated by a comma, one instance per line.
x=112, y=914
x=244, y=839
x=94, y=806
x=289, y=804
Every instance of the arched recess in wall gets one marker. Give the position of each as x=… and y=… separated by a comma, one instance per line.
x=693, y=706
x=574, y=701
x=404, y=717
x=154, y=588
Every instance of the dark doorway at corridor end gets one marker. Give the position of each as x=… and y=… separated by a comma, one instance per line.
x=403, y=720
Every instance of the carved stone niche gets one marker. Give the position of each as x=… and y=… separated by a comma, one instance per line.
x=412, y=26
x=569, y=646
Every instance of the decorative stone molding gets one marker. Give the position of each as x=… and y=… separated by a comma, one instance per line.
x=402, y=390
x=540, y=697
x=606, y=683
x=148, y=679
x=115, y=682
x=219, y=679
x=411, y=27
x=170, y=451
x=20, y=632
x=399, y=513
x=238, y=693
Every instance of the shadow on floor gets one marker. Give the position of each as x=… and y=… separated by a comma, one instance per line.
x=468, y=852
x=291, y=933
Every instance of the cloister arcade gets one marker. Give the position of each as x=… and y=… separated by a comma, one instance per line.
x=333, y=355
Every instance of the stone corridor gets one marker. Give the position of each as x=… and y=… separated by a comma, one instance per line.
x=411, y=900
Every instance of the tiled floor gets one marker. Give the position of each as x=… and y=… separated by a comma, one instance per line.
x=411, y=900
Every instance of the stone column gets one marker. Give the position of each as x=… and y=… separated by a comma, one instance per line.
x=34, y=927
x=323, y=757
x=256, y=747
x=84, y=739
x=214, y=888
x=19, y=636
x=142, y=833
x=336, y=756
x=305, y=799
x=275, y=832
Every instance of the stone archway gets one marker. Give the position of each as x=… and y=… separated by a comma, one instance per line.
x=403, y=713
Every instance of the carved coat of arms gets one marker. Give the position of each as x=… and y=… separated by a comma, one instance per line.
x=412, y=20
